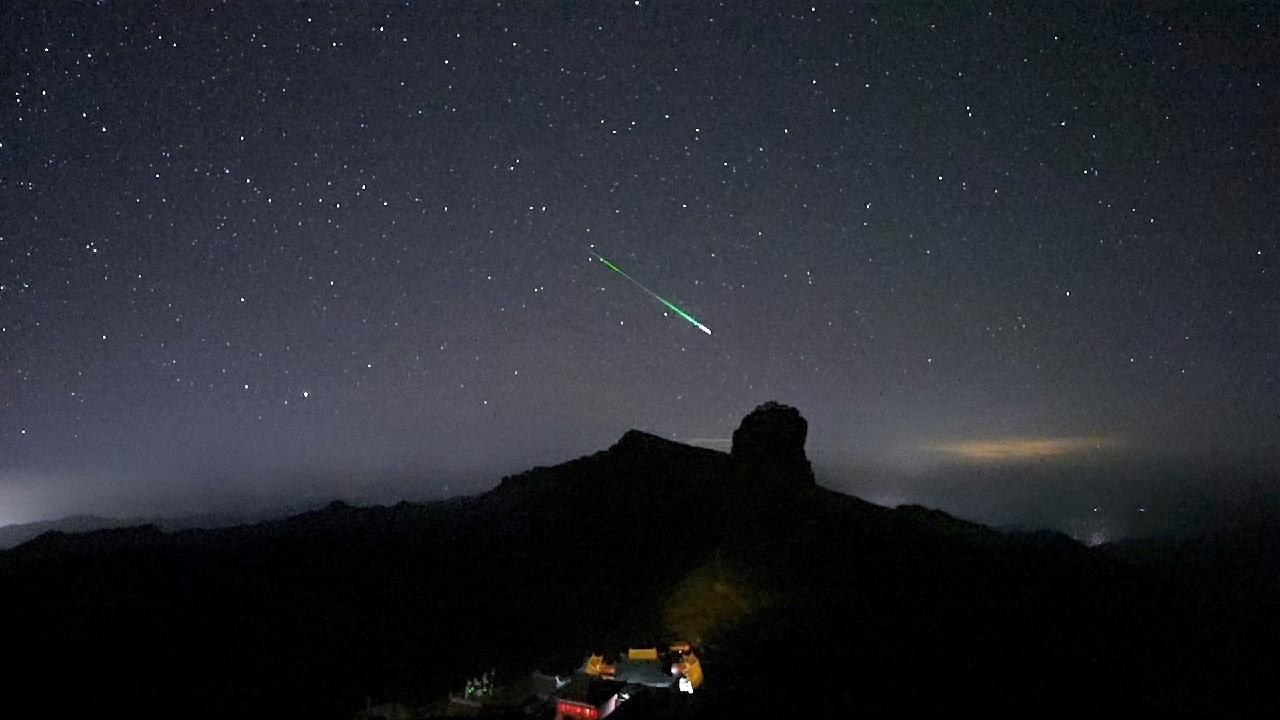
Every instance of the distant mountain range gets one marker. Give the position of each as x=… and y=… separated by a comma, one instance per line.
x=804, y=601
x=14, y=535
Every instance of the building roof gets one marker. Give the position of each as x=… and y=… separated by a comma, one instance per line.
x=643, y=672
x=590, y=691
x=535, y=685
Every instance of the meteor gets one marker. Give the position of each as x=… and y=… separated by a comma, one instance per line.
x=670, y=305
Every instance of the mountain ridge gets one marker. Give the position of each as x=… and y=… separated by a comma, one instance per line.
x=317, y=612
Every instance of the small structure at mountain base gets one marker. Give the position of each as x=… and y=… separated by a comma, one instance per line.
x=588, y=698
x=602, y=686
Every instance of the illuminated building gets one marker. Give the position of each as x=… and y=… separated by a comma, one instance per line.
x=588, y=698
x=601, y=686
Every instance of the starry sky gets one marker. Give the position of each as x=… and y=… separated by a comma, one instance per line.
x=264, y=252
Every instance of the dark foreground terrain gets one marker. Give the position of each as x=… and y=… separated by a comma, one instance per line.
x=804, y=601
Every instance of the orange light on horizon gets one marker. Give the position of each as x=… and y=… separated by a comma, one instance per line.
x=1020, y=448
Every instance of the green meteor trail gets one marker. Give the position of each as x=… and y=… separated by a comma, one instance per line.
x=670, y=305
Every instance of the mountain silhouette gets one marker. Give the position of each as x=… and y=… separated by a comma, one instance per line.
x=17, y=534
x=803, y=600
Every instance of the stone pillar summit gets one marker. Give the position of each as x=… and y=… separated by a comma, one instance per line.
x=769, y=446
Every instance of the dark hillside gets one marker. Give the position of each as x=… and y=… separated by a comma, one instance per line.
x=796, y=593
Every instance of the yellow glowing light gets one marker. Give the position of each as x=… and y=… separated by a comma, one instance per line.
x=1019, y=448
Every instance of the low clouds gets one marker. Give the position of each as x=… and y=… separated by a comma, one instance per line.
x=1020, y=448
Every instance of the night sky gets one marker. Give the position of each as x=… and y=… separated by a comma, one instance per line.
x=267, y=252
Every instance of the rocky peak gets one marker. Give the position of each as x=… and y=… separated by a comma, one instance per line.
x=770, y=440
